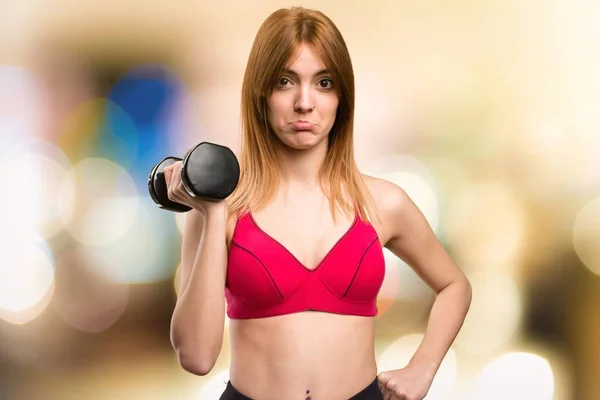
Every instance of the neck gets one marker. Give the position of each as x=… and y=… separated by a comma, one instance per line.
x=300, y=168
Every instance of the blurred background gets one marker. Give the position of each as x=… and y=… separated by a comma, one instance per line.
x=485, y=112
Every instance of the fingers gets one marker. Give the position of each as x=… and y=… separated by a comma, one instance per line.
x=175, y=190
x=383, y=378
x=391, y=391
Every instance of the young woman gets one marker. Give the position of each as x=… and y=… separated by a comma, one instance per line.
x=296, y=251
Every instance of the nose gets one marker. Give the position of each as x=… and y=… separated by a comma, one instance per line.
x=303, y=102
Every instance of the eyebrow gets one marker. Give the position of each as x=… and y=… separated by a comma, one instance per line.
x=295, y=74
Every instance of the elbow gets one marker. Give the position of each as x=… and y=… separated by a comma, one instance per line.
x=193, y=358
x=467, y=292
x=195, y=365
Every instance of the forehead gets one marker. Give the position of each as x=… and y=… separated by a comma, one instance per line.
x=306, y=60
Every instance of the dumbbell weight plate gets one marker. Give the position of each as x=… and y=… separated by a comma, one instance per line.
x=210, y=171
x=157, y=187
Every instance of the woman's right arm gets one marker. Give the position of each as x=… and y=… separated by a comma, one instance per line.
x=198, y=320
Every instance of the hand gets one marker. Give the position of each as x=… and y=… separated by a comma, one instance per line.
x=409, y=383
x=177, y=193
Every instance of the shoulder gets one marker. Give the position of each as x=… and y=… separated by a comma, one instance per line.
x=393, y=205
x=389, y=197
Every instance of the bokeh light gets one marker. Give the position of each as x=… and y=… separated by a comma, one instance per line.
x=495, y=314
x=180, y=221
x=26, y=278
x=388, y=293
x=83, y=298
x=98, y=201
x=150, y=94
x=485, y=225
x=23, y=106
x=399, y=353
x=518, y=376
x=144, y=252
x=410, y=286
x=586, y=235
x=485, y=113
x=32, y=171
x=412, y=176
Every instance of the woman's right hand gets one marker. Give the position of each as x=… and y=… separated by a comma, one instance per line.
x=177, y=193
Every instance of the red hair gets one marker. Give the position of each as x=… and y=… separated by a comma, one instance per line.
x=277, y=41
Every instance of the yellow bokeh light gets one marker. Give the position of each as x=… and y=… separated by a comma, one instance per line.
x=494, y=315
x=485, y=224
x=586, y=235
x=81, y=127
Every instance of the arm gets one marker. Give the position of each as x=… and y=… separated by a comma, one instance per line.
x=198, y=319
x=412, y=240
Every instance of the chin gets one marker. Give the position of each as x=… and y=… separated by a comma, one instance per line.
x=303, y=140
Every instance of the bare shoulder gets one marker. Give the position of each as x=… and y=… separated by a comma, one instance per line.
x=391, y=202
x=388, y=196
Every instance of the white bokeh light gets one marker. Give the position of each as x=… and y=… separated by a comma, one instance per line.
x=515, y=376
x=23, y=106
x=26, y=277
x=32, y=170
x=148, y=251
x=409, y=285
x=414, y=178
x=99, y=201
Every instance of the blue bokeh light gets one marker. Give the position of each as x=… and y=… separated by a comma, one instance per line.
x=148, y=95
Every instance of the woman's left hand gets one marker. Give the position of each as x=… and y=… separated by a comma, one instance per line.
x=409, y=383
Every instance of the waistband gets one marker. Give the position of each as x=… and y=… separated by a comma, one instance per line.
x=371, y=392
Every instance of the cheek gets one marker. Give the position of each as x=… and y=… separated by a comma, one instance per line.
x=330, y=110
x=275, y=109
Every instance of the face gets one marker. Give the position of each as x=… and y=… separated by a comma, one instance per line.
x=303, y=104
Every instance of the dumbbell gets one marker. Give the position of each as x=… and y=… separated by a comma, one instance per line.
x=209, y=171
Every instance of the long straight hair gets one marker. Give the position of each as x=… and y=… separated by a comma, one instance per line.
x=277, y=40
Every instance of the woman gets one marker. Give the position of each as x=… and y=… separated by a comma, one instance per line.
x=296, y=250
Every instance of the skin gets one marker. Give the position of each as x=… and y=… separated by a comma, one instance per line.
x=333, y=355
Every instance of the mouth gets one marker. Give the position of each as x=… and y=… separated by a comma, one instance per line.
x=303, y=125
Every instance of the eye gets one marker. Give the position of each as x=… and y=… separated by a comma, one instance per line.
x=326, y=83
x=283, y=82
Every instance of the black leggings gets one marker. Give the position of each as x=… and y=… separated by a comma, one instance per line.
x=371, y=392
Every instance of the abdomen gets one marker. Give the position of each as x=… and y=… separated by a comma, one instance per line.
x=281, y=357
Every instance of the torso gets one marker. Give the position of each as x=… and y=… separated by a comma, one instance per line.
x=329, y=354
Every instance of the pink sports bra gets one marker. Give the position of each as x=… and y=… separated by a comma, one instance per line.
x=264, y=279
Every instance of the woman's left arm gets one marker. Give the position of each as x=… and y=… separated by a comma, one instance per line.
x=412, y=240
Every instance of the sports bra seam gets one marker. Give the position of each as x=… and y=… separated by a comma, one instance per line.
x=358, y=268
x=261, y=263
x=337, y=296
x=236, y=297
